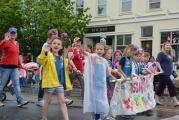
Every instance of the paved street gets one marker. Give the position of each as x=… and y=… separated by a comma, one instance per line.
x=32, y=112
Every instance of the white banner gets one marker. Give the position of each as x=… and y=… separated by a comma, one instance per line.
x=133, y=96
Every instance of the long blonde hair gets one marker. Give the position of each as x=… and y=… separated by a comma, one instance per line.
x=163, y=47
x=127, y=49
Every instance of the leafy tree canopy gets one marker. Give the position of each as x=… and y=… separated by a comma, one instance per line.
x=33, y=18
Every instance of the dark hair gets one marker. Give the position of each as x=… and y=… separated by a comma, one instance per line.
x=89, y=46
x=152, y=57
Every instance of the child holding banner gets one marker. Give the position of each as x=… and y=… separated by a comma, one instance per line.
x=125, y=67
x=125, y=63
x=152, y=67
x=115, y=58
x=110, y=83
x=134, y=95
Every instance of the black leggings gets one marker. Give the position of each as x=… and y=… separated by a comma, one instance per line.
x=164, y=80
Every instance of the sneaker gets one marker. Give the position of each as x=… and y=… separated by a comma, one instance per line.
x=1, y=104
x=68, y=101
x=22, y=103
x=40, y=103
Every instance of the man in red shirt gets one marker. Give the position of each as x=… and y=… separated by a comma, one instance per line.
x=10, y=63
x=76, y=56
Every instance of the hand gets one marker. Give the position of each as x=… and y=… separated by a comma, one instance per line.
x=46, y=47
x=70, y=55
x=116, y=71
x=123, y=78
x=113, y=78
x=7, y=36
x=78, y=72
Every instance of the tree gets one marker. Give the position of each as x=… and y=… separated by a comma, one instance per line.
x=34, y=18
x=10, y=15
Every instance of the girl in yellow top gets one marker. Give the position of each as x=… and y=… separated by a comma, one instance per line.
x=55, y=75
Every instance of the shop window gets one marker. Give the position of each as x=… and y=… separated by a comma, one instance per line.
x=101, y=7
x=126, y=5
x=147, y=31
x=123, y=41
x=154, y=4
x=79, y=5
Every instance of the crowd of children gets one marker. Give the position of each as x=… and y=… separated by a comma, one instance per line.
x=99, y=73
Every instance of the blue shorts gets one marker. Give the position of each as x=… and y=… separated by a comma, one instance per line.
x=54, y=90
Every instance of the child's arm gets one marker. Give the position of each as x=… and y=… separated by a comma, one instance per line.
x=159, y=66
x=42, y=58
x=73, y=66
x=120, y=71
x=115, y=71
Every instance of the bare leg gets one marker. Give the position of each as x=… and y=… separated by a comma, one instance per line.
x=176, y=103
x=158, y=100
x=47, y=99
x=62, y=105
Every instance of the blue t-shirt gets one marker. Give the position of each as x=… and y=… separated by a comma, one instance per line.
x=126, y=63
x=166, y=63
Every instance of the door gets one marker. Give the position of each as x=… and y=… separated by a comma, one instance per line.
x=147, y=46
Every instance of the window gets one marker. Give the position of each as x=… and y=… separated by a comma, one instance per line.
x=147, y=31
x=126, y=5
x=123, y=41
x=79, y=5
x=173, y=37
x=154, y=4
x=101, y=8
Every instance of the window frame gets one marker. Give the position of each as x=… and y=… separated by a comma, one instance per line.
x=105, y=8
x=123, y=40
x=153, y=2
x=80, y=6
x=142, y=31
x=122, y=3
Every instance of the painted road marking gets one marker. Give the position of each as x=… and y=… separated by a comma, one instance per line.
x=167, y=110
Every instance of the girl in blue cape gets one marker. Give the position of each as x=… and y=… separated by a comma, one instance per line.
x=95, y=89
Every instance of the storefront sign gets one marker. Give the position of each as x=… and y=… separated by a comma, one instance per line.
x=101, y=29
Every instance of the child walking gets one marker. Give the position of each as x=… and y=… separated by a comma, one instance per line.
x=114, y=71
x=95, y=92
x=55, y=76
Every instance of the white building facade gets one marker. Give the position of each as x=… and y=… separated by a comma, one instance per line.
x=146, y=23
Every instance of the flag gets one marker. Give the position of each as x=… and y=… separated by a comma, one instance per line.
x=174, y=39
x=168, y=38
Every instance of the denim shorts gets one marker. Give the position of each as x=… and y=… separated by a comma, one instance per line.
x=54, y=90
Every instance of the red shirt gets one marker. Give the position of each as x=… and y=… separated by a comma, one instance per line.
x=10, y=54
x=78, y=58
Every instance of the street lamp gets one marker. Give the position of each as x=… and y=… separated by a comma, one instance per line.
x=103, y=38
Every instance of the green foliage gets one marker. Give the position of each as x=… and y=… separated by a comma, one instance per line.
x=34, y=18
